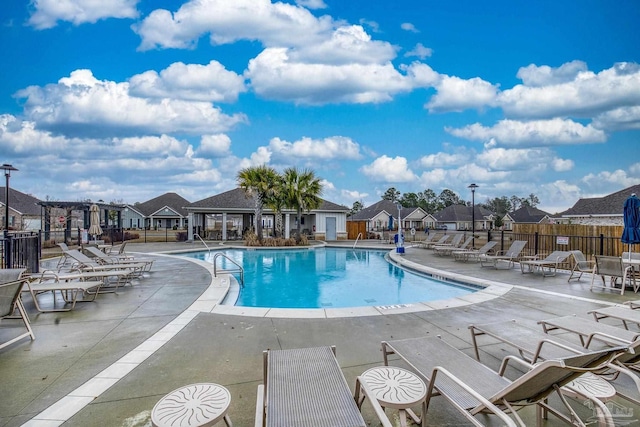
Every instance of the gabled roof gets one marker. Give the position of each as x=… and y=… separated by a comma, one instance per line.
x=461, y=213
x=20, y=202
x=172, y=201
x=528, y=214
x=610, y=205
x=387, y=206
x=237, y=200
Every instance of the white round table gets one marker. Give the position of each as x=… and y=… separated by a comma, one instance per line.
x=194, y=405
x=396, y=388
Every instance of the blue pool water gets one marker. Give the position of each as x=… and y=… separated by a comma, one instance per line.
x=328, y=277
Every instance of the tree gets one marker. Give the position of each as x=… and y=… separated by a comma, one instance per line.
x=499, y=205
x=391, y=194
x=428, y=200
x=448, y=197
x=357, y=207
x=409, y=200
x=532, y=200
x=259, y=182
x=302, y=190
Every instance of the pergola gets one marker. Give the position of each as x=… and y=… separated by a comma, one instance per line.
x=77, y=206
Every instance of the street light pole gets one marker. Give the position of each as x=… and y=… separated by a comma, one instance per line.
x=473, y=214
x=7, y=173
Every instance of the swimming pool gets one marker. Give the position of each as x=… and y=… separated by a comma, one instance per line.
x=328, y=278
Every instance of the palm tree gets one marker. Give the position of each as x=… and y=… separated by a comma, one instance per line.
x=259, y=182
x=302, y=190
x=276, y=202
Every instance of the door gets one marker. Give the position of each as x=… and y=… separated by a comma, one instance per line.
x=331, y=228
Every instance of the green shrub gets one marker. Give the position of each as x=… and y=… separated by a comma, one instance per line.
x=182, y=236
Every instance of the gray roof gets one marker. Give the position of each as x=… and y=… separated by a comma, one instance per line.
x=607, y=205
x=170, y=200
x=461, y=213
x=237, y=200
x=528, y=214
x=387, y=206
x=20, y=202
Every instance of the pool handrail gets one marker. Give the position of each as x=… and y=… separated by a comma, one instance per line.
x=356, y=242
x=232, y=261
x=203, y=242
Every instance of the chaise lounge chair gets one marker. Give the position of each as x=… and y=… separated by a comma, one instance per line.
x=622, y=314
x=588, y=330
x=306, y=387
x=448, y=249
x=83, y=262
x=431, y=244
x=472, y=388
x=534, y=345
x=510, y=256
x=112, y=259
x=551, y=263
x=73, y=288
x=473, y=254
x=11, y=282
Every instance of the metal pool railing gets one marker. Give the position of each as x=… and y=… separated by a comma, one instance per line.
x=239, y=270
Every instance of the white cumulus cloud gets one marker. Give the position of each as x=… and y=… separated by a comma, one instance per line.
x=512, y=133
x=193, y=82
x=456, y=94
x=47, y=13
x=387, y=169
x=275, y=75
x=214, y=145
x=272, y=24
x=82, y=105
x=336, y=147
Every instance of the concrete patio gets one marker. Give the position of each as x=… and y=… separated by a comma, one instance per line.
x=96, y=340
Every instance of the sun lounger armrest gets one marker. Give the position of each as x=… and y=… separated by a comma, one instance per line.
x=601, y=336
x=514, y=359
x=259, y=420
x=488, y=405
x=362, y=386
x=552, y=343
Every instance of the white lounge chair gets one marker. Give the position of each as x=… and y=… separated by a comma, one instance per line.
x=550, y=263
x=112, y=259
x=306, y=387
x=445, y=250
x=83, y=262
x=534, y=345
x=431, y=244
x=510, y=256
x=472, y=388
x=11, y=282
x=72, y=288
x=473, y=254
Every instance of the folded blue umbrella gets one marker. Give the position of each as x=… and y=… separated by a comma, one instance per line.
x=631, y=232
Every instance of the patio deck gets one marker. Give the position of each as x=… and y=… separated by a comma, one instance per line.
x=75, y=347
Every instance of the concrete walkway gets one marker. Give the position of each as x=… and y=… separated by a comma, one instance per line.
x=108, y=362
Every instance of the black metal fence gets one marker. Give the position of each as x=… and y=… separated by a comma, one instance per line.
x=21, y=250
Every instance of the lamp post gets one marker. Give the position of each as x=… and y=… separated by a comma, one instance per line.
x=473, y=214
x=7, y=173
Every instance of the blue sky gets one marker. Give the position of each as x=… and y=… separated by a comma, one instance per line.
x=128, y=99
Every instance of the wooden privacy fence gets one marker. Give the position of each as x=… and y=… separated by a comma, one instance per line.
x=356, y=227
x=590, y=239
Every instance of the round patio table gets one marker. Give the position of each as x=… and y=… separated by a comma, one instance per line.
x=396, y=388
x=194, y=405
